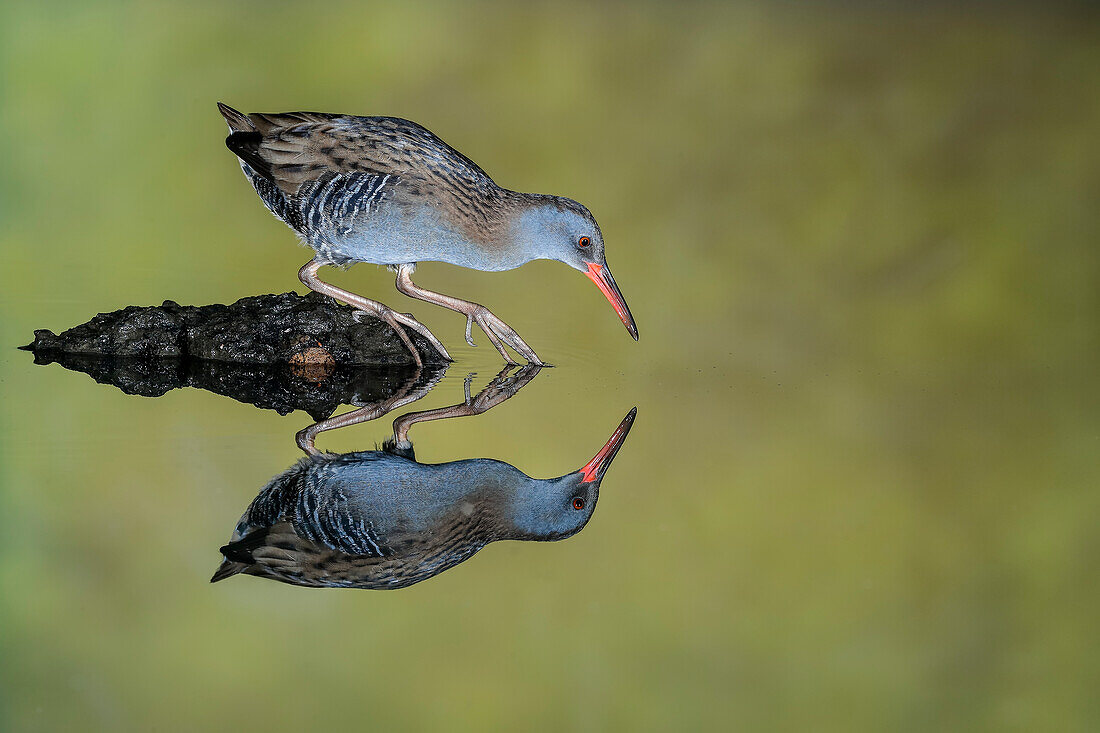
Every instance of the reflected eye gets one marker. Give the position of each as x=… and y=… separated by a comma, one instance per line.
x=578, y=503
x=584, y=242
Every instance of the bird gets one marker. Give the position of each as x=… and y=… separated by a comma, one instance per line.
x=381, y=520
x=387, y=191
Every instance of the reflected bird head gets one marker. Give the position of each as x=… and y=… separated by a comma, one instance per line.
x=553, y=509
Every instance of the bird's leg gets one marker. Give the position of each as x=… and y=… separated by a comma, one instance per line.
x=307, y=437
x=397, y=321
x=498, y=332
x=500, y=389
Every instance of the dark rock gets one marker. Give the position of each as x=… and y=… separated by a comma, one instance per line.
x=262, y=329
x=279, y=387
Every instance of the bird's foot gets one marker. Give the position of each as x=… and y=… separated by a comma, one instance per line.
x=399, y=322
x=499, y=334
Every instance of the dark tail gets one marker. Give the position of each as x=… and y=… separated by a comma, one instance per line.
x=244, y=140
x=238, y=555
x=227, y=569
x=238, y=121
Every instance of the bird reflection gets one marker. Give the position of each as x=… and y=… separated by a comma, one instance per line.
x=379, y=519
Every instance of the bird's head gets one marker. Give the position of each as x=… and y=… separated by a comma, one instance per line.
x=561, y=229
x=553, y=509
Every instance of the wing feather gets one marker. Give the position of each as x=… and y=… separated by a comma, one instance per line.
x=297, y=157
x=300, y=147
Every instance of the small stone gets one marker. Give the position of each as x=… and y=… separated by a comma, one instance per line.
x=314, y=364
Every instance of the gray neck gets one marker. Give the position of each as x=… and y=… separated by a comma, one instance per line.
x=539, y=510
x=531, y=218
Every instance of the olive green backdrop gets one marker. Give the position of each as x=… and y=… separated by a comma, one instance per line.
x=861, y=244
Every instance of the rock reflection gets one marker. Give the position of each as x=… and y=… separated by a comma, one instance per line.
x=379, y=519
x=316, y=387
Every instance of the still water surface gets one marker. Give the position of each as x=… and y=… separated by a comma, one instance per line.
x=752, y=528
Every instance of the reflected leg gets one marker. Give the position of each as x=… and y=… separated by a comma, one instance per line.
x=307, y=437
x=501, y=388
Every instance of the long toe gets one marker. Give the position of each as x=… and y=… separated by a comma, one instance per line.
x=469, y=328
x=390, y=317
x=420, y=328
x=491, y=332
x=526, y=351
x=509, y=336
x=409, y=343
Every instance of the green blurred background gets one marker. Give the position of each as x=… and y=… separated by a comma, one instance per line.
x=861, y=244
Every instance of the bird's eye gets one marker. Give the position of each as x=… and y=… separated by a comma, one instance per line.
x=578, y=503
x=584, y=242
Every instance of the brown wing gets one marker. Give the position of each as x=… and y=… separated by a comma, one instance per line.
x=297, y=148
